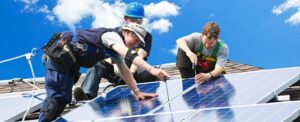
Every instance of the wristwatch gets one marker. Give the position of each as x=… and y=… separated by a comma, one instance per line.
x=136, y=90
x=211, y=76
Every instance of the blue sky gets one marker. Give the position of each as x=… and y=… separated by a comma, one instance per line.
x=259, y=33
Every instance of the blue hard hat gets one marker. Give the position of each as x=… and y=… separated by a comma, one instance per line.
x=135, y=10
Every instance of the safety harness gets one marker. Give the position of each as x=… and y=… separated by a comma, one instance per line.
x=207, y=63
x=68, y=48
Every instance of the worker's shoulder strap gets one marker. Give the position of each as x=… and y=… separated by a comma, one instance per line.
x=116, y=30
x=100, y=32
x=200, y=48
x=215, y=50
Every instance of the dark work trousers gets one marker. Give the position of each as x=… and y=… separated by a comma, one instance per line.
x=90, y=84
x=187, y=72
x=59, y=92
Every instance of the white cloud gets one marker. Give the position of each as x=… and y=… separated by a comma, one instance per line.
x=104, y=14
x=30, y=5
x=158, y=18
x=289, y=4
x=285, y=6
x=110, y=15
x=174, y=50
x=161, y=9
x=70, y=12
x=50, y=18
x=44, y=9
x=294, y=19
x=162, y=25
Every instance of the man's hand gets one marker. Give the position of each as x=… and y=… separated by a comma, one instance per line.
x=141, y=95
x=192, y=56
x=201, y=77
x=161, y=74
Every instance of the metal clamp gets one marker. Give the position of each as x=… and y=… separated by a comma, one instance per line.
x=33, y=51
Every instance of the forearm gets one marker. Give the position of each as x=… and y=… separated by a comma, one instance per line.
x=127, y=76
x=217, y=71
x=138, y=61
x=143, y=54
x=133, y=68
x=183, y=45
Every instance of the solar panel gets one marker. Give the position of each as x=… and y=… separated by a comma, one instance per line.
x=271, y=112
x=12, y=108
x=209, y=94
x=184, y=95
x=121, y=102
x=234, y=89
x=159, y=117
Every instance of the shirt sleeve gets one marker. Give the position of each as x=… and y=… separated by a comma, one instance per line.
x=192, y=39
x=222, y=56
x=109, y=39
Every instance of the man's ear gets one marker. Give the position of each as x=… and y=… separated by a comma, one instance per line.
x=127, y=32
x=124, y=32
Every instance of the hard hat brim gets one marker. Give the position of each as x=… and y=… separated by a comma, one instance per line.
x=141, y=39
x=134, y=16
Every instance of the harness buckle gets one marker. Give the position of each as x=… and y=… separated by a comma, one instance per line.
x=83, y=47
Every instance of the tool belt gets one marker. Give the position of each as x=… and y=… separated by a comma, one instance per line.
x=60, y=51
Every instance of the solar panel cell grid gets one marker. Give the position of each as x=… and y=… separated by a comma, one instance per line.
x=238, y=89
